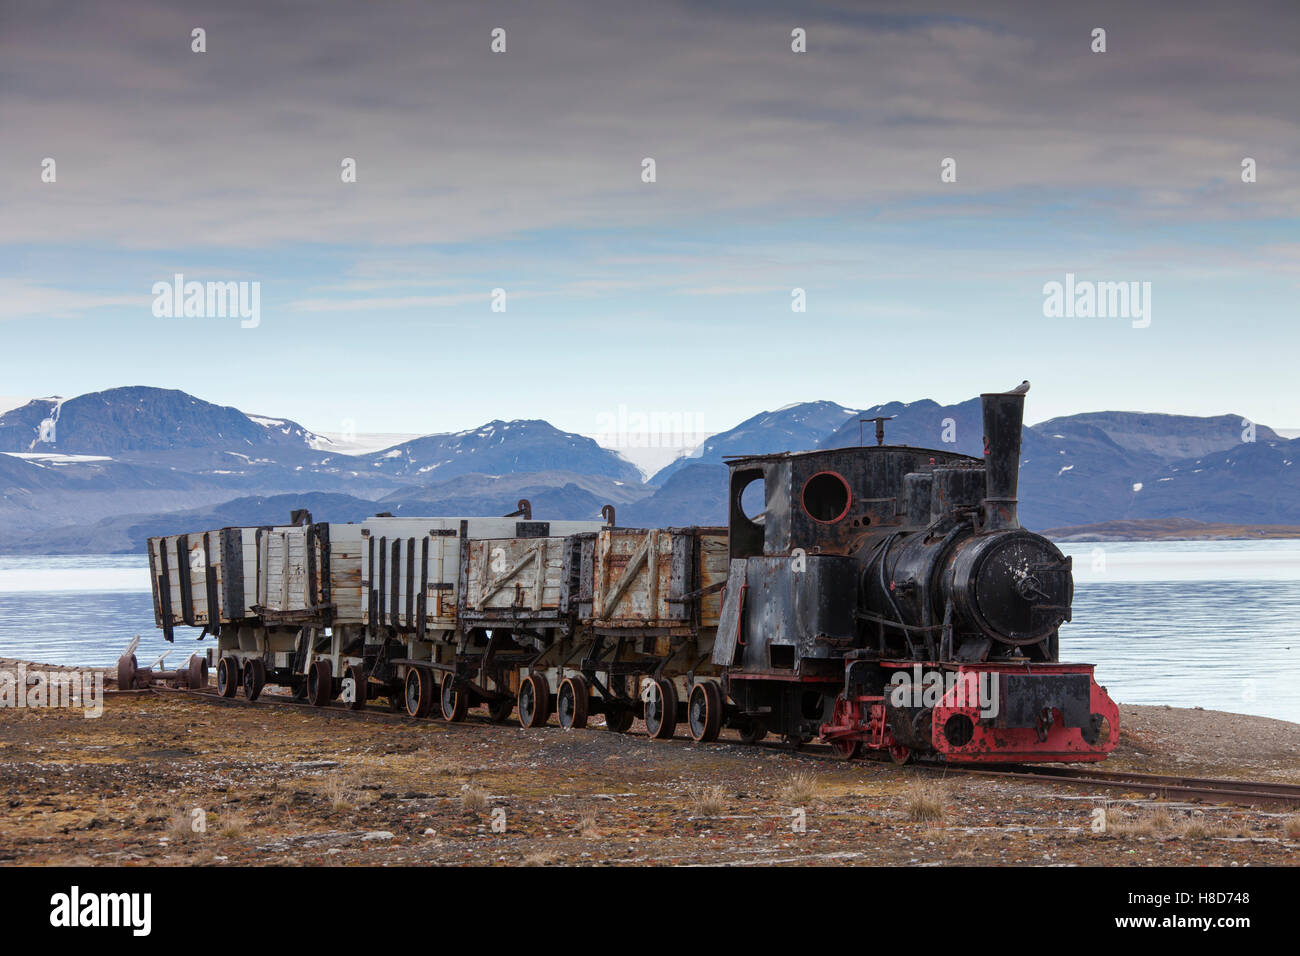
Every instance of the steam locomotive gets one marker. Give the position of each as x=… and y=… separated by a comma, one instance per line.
x=882, y=599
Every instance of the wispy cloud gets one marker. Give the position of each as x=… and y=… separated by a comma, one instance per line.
x=21, y=299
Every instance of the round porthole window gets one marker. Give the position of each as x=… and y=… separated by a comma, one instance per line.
x=826, y=497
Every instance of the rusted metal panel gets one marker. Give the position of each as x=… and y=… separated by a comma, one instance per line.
x=833, y=501
x=731, y=616
x=797, y=612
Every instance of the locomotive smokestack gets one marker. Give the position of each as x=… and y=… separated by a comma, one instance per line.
x=1004, y=414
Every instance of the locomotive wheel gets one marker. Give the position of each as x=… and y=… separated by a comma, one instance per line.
x=126, y=668
x=704, y=712
x=197, y=673
x=254, y=678
x=793, y=741
x=397, y=699
x=300, y=690
x=320, y=683
x=419, y=692
x=661, y=710
x=534, y=701
x=572, y=702
x=454, y=702
x=227, y=676
x=753, y=731
x=360, y=690
x=619, y=720
x=844, y=748
x=899, y=754
x=501, y=709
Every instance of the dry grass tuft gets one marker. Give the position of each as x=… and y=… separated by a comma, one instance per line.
x=709, y=801
x=1161, y=821
x=1291, y=826
x=232, y=825
x=340, y=796
x=587, y=826
x=924, y=801
x=540, y=858
x=801, y=787
x=1196, y=830
x=474, y=800
x=180, y=827
x=1125, y=823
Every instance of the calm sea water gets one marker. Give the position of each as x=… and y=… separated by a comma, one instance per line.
x=83, y=610
x=1189, y=623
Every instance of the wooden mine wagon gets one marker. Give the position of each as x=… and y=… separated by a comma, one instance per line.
x=444, y=606
x=649, y=606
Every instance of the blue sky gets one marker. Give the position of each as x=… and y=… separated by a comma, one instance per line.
x=775, y=170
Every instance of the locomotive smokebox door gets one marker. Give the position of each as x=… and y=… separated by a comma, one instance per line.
x=1015, y=586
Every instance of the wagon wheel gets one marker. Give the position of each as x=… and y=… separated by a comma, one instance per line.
x=704, y=712
x=534, y=701
x=899, y=754
x=844, y=748
x=419, y=692
x=455, y=702
x=573, y=702
x=197, y=673
x=619, y=719
x=360, y=687
x=500, y=709
x=254, y=678
x=227, y=676
x=320, y=683
x=661, y=709
x=126, y=668
x=753, y=731
x=793, y=741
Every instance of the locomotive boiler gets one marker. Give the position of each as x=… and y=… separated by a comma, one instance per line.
x=882, y=599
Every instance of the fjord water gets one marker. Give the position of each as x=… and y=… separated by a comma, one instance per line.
x=1208, y=624
x=1188, y=623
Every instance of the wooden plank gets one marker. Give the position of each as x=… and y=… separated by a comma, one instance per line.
x=612, y=596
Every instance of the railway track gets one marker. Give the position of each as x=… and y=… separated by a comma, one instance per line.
x=1207, y=789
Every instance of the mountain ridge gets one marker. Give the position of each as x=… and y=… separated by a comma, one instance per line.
x=144, y=452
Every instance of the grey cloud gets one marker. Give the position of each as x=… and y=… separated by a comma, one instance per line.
x=158, y=147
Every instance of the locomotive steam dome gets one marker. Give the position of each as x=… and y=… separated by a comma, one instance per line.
x=1015, y=586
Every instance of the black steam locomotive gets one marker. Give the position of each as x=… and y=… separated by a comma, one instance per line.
x=879, y=598
x=886, y=598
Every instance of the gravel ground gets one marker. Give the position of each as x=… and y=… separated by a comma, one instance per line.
x=280, y=785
